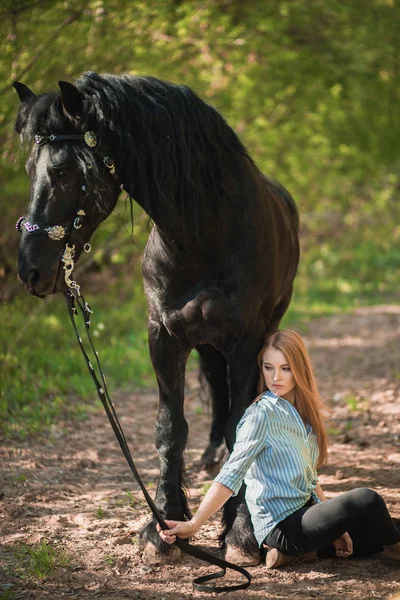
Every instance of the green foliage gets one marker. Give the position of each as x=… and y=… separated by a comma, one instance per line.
x=6, y=592
x=355, y=404
x=100, y=512
x=44, y=375
x=311, y=87
x=333, y=431
x=131, y=499
x=352, y=402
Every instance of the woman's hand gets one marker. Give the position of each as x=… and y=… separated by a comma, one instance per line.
x=181, y=529
x=344, y=546
x=216, y=497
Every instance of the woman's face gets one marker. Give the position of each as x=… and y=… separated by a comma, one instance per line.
x=277, y=374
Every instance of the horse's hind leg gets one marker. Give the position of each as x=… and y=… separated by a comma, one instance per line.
x=214, y=368
x=169, y=358
x=238, y=534
x=279, y=311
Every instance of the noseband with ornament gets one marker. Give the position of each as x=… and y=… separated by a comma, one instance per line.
x=74, y=297
x=57, y=232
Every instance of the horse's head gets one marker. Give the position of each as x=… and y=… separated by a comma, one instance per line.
x=73, y=185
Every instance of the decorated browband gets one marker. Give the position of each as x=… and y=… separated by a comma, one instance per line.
x=89, y=137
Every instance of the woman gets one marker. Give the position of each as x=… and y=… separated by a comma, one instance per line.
x=280, y=444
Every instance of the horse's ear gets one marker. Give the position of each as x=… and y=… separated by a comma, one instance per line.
x=23, y=91
x=72, y=100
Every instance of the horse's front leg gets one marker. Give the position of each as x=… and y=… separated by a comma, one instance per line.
x=169, y=358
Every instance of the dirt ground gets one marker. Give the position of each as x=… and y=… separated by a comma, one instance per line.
x=74, y=489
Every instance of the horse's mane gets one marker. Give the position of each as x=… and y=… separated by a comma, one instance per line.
x=171, y=149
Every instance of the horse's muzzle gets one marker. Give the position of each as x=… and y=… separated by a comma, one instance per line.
x=30, y=282
x=37, y=285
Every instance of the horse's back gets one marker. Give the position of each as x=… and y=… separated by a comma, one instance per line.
x=283, y=193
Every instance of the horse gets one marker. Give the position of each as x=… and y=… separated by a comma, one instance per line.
x=220, y=260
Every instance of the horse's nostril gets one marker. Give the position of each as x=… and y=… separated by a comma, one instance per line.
x=33, y=278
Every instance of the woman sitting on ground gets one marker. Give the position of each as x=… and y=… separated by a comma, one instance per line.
x=280, y=444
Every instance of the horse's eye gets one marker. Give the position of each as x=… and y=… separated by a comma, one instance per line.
x=60, y=173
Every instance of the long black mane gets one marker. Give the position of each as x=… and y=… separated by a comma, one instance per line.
x=171, y=149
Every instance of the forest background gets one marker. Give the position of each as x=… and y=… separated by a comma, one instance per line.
x=312, y=89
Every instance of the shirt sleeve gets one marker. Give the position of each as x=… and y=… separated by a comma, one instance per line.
x=315, y=497
x=314, y=485
x=251, y=436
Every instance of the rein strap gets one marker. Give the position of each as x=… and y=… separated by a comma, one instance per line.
x=73, y=297
x=102, y=392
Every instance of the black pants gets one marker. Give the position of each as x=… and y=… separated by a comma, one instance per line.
x=361, y=512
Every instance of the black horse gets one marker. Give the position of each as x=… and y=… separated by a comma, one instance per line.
x=219, y=264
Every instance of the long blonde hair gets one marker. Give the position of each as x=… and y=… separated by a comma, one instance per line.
x=308, y=400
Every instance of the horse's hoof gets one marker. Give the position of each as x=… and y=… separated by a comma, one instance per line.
x=212, y=457
x=238, y=557
x=151, y=556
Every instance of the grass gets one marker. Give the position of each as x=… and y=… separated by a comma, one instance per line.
x=131, y=499
x=6, y=592
x=351, y=402
x=356, y=404
x=109, y=560
x=44, y=376
x=37, y=562
x=204, y=488
x=333, y=431
x=100, y=512
x=339, y=277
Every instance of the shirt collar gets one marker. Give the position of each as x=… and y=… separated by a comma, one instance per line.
x=273, y=398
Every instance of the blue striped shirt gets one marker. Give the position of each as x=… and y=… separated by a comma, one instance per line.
x=276, y=455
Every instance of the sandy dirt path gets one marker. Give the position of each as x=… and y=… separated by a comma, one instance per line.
x=74, y=489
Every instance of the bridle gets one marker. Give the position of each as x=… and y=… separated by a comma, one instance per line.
x=75, y=299
x=57, y=232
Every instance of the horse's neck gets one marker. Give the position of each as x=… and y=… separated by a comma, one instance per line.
x=221, y=221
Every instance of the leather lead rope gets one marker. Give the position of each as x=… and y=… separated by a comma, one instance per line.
x=101, y=387
x=57, y=233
